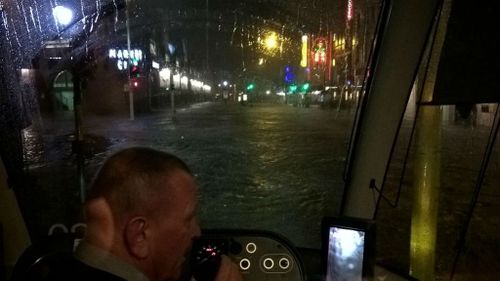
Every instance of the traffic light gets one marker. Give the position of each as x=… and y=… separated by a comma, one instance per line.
x=250, y=87
x=293, y=88
x=135, y=71
x=305, y=87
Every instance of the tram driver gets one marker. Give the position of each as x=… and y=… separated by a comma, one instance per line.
x=141, y=220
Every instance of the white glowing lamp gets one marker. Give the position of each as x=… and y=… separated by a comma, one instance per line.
x=63, y=15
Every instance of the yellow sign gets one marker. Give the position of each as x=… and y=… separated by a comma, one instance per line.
x=303, y=62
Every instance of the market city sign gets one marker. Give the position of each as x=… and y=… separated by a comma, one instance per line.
x=123, y=56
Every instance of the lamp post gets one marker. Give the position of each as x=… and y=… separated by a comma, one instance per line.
x=207, y=26
x=130, y=91
x=64, y=17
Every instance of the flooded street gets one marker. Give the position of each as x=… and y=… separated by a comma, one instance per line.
x=277, y=161
x=272, y=167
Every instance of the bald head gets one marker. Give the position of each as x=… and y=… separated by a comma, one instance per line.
x=142, y=210
x=132, y=179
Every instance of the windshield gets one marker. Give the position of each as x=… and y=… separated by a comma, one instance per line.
x=260, y=98
x=257, y=97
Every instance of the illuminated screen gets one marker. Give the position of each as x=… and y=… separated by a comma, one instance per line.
x=345, y=254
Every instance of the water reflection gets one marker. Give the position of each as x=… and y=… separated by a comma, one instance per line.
x=33, y=148
x=271, y=167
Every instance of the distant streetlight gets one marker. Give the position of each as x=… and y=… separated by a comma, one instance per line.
x=224, y=83
x=63, y=15
x=271, y=41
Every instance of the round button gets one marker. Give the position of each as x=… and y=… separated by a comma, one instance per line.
x=245, y=264
x=251, y=248
x=268, y=263
x=284, y=263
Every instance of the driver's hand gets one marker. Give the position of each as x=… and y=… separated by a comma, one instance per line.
x=228, y=271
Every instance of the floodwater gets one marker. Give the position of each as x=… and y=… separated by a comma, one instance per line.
x=279, y=168
x=264, y=166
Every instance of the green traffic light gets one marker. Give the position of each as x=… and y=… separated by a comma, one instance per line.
x=250, y=87
x=293, y=88
x=305, y=87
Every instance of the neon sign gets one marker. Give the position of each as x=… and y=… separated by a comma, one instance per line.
x=350, y=10
x=319, y=51
x=303, y=62
x=123, y=56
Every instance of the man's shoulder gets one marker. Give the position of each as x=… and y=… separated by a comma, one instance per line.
x=86, y=272
x=67, y=267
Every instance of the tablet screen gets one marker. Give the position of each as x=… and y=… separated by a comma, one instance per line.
x=348, y=248
x=345, y=254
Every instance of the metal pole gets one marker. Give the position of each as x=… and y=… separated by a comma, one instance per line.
x=149, y=92
x=427, y=167
x=78, y=142
x=206, y=36
x=341, y=97
x=426, y=190
x=172, y=94
x=130, y=91
x=172, y=101
x=77, y=105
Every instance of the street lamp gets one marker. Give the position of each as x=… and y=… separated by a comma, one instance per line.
x=129, y=81
x=271, y=41
x=63, y=15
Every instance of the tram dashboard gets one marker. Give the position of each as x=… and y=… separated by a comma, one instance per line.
x=259, y=255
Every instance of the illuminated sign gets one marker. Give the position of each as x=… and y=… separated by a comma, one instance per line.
x=207, y=88
x=350, y=10
x=165, y=77
x=123, y=56
x=177, y=81
x=303, y=62
x=319, y=51
x=184, y=82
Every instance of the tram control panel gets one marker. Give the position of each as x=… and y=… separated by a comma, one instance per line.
x=259, y=255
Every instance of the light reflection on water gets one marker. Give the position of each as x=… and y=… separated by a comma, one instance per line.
x=33, y=150
x=276, y=168
x=277, y=179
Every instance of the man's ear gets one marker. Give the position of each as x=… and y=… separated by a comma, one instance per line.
x=135, y=237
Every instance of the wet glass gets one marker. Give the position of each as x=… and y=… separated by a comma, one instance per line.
x=465, y=131
x=263, y=120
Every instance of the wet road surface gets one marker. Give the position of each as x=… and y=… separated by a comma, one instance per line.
x=272, y=167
